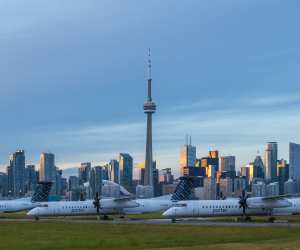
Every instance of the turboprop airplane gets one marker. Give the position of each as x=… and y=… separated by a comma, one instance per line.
x=109, y=206
x=40, y=195
x=243, y=206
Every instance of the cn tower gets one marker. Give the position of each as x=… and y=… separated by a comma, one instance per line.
x=149, y=109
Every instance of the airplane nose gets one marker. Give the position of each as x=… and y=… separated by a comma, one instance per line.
x=32, y=212
x=169, y=212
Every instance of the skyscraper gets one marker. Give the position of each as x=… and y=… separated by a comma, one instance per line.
x=31, y=177
x=114, y=171
x=17, y=164
x=84, y=172
x=227, y=164
x=47, y=169
x=126, y=168
x=187, y=157
x=149, y=109
x=270, y=161
x=295, y=164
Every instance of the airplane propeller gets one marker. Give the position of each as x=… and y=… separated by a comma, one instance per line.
x=81, y=196
x=97, y=203
x=243, y=202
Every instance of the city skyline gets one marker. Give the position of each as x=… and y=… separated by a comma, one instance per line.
x=230, y=90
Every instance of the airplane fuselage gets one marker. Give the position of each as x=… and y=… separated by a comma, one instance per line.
x=107, y=207
x=17, y=205
x=231, y=207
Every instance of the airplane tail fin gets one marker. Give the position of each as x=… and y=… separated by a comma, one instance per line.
x=42, y=190
x=184, y=189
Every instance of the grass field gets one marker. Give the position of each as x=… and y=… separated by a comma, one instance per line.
x=59, y=235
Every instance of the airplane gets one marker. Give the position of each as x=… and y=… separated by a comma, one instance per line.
x=41, y=194
x=183, y=191
x=121, y=206
x=243, y=206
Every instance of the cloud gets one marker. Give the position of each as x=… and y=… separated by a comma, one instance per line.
x=275, y=100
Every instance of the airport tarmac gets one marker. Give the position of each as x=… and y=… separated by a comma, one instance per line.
x=193, y=222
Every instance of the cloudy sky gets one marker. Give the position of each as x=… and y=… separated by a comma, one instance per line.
x=73, y=77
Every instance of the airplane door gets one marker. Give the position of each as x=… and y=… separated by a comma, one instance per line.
x=195, y=211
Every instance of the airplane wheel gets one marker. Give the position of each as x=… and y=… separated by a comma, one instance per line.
x=173, y=220
x=36, y=218
x=272, y=219
x=105, y=217
x=122, y=216
x=248, y=218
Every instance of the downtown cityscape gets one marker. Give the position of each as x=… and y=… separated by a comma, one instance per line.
x=216, y=174
x=139, y=125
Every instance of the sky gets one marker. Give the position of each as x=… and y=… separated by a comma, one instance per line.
x=73, y=78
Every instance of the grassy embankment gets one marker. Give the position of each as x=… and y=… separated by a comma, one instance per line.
x=62, y=235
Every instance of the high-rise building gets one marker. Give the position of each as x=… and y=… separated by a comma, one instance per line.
x=165, y=176
x=96, y=180
x=283, y=174
x=149, y=109
x=226, y=186
x=240, y=184
x=258, y=189
x=227, y=164
x=126, y=170
x=31, y=178
x=84, y=172
x=3, y=185
x=253, y=171
x=114, y=171
x=258, y=163
x=209, y=188
x=187, y=157
x=272, y=189
x=47, y=169
x=295, y=164
x=270, y=161
x=290, y=187
x=17, y=164
x=73, y=182
x=10, y=180
x=245, y=172
x=141, y=173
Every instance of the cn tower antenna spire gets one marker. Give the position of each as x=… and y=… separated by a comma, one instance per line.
x=149, y=64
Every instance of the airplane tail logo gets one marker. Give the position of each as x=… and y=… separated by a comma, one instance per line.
x=184, y=189
x=42, y=190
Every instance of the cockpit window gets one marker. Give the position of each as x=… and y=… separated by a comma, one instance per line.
x=180, y=205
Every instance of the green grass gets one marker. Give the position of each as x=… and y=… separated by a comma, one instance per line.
x=59, y=235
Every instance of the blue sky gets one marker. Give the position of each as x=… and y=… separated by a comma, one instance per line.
x=73, y=77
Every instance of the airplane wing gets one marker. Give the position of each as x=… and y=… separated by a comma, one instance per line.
x=123, y=199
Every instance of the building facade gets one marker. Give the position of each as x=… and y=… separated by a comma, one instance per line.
x=270, y=161
x=294, y=155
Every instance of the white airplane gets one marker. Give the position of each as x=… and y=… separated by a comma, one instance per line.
x=243, y=206
x=40, y=195
x=108, y=206
x=183, y=191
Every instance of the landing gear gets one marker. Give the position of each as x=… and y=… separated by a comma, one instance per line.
x=122, y=216
x=271, y=219
x=104, y=217
x=36, y=218
x=173, y=220
x=244, y=219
